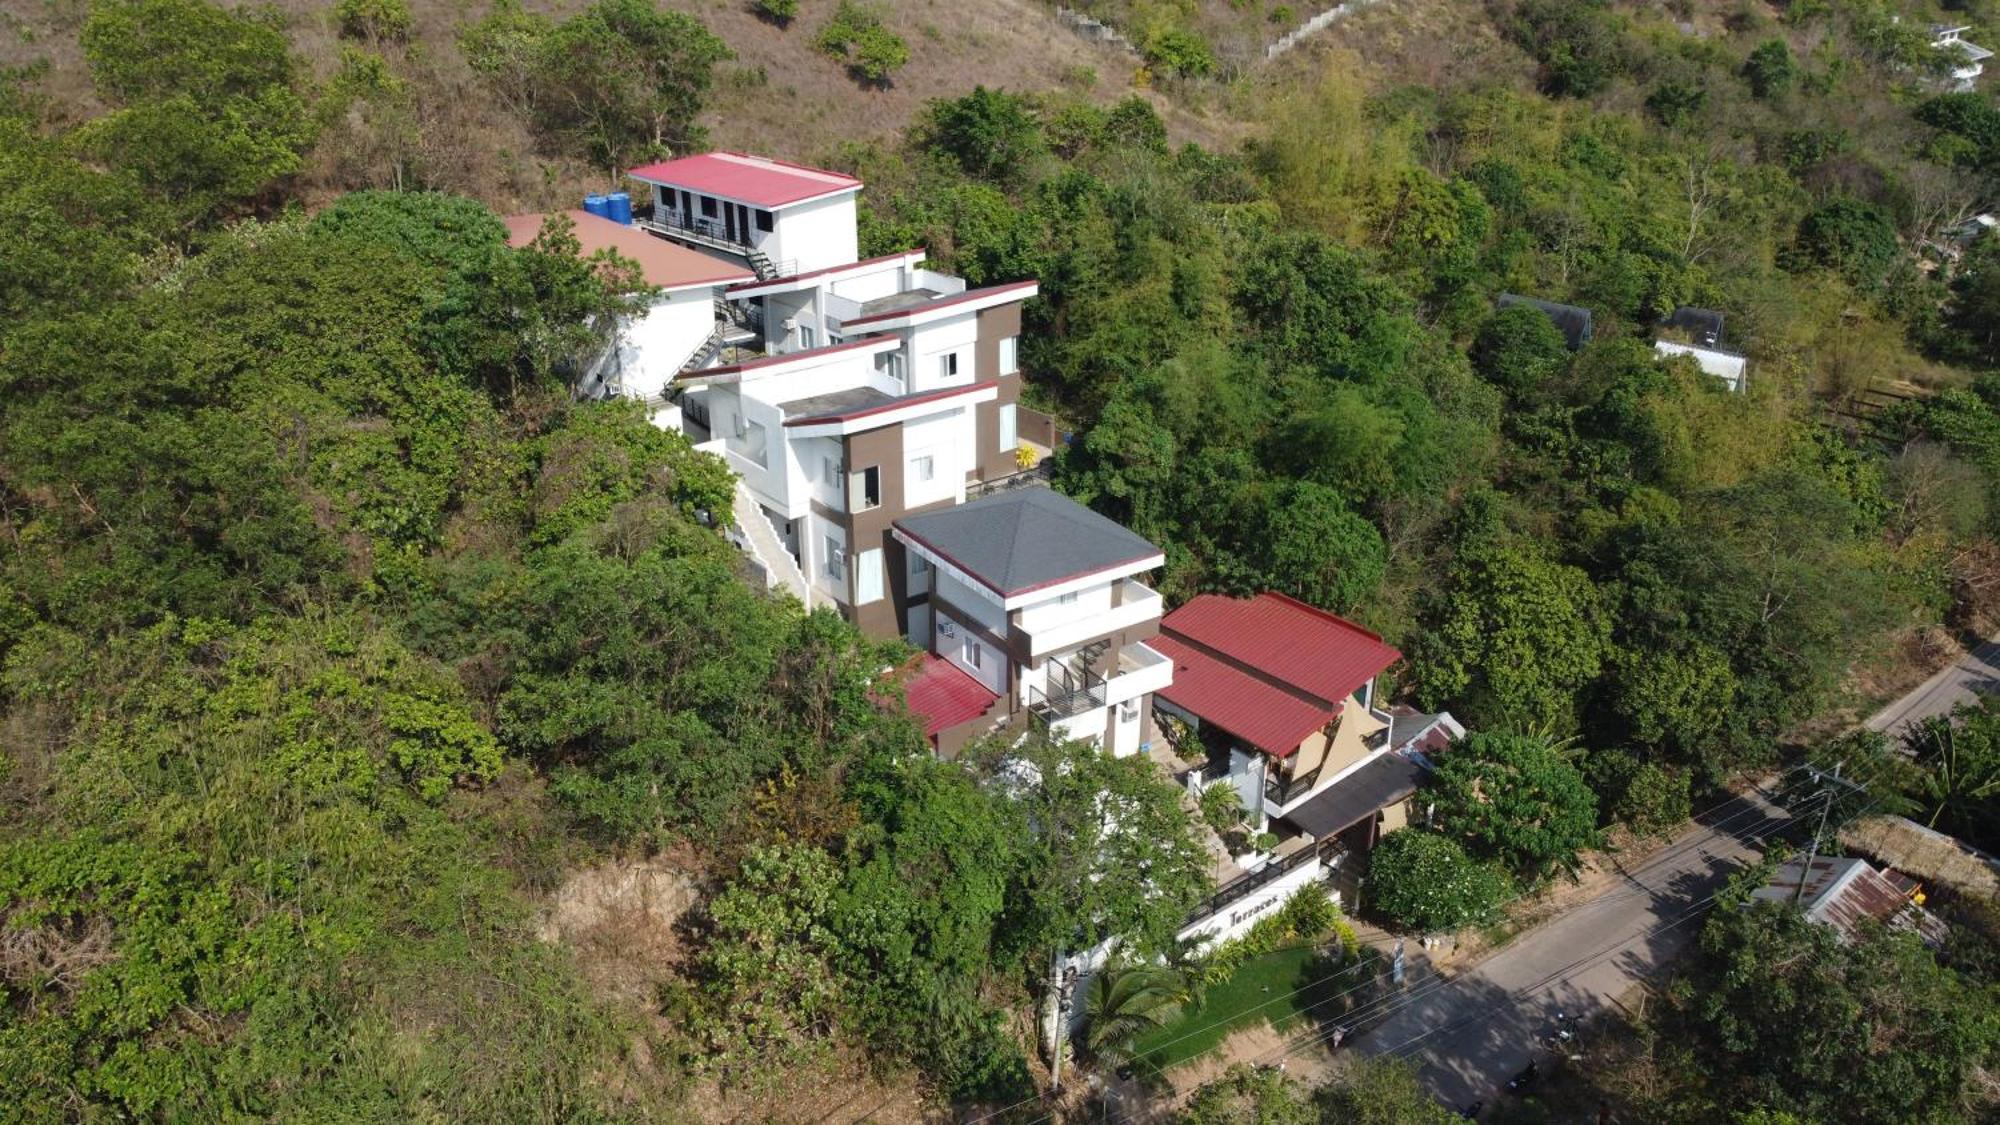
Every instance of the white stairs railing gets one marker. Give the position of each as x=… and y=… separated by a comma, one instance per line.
x=760, y=540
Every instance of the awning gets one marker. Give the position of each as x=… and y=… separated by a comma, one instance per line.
x=1358, y=796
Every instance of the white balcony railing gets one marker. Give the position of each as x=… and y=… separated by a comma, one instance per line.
x=1137, y=604
x=1142, y=670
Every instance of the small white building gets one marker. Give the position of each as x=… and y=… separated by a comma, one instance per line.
x=671, y=330
x=1729, y=367
x=787, y=218
x=1968, y=59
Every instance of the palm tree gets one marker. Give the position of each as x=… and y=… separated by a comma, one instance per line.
x=1125, y=1003
x=1961, y=774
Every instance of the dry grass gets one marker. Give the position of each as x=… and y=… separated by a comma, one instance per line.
x=780, y=96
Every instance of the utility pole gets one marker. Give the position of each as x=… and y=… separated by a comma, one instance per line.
x=1827, y=782
x=1063, y=981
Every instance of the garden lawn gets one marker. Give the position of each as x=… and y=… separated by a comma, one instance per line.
x=1265, y=988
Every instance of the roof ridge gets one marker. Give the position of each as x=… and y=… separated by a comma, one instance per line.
x=1325, y=613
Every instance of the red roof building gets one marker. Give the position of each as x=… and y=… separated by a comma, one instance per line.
x=1305, y=651
x=661, y=263
x=757, y=180
x=943, y=696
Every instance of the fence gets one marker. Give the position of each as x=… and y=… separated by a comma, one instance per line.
x=1314, y=26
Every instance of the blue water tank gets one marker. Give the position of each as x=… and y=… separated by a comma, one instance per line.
x=619, y=207
x=597, y=205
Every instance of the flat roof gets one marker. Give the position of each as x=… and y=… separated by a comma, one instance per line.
x=756, y=180
x=1358, y=796
x=860, y=402
x=994, y=293
x=1021, y=541
x=661, y=263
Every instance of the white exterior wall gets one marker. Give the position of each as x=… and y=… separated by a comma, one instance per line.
x=1236, y=919
x=797, y=307
x=771, y=482
x=814, y=236
x=953, y=641
x=812, y=455
x=882, y=281
x=653, y=343
x=813, y=545
x=1048, y=613
x=948, y=439
x=972, y=600
x=929, y=344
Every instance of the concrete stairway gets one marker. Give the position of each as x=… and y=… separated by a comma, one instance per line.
x=756, y=536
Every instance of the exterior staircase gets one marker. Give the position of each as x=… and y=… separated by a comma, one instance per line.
x=760, y=264
x=759, y=540
x=705, y=354
x=1088, y=655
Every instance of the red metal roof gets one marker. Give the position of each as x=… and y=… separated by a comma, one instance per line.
x=1262, y=714
x=756, y=180
x=943, y=695
x=1322, y=655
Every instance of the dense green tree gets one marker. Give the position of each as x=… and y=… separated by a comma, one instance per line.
x=1849, y=236
x=1515, y=636
x=1427, y=882
x=1317, y=550
x=1519, y=349
x=622, y=80
x=1770, y=69
x=1957, y=782
x=1789, y=1017
x=992, y=134
x=1514, y=799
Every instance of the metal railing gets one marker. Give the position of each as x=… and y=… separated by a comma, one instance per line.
x=1280, y=792
x=1069, y=693
x=1238, y=889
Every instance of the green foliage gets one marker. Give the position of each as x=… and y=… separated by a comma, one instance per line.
x=1675, y=101
x=1576, y=41
x=1515, y=800
x=1790, y=1017
x=1646, y=797
x=857, y=36
x=1122, y=1003
x=991, y=134
x=1771, y=70
x=1428, y=882
x=780, y=12
x=1957, y=780
x=1180, y=52
x=373, y=20
x=1848, y=236
x=1515, y=637
x=622, y=80
x=1222, y=809
x=207, y=114
x=1518, y=349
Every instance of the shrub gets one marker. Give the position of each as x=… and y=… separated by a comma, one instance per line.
x=1428, y=882
x=780, y=12
x=1179, y=51
x=1644, y=796
x=373, y=20
x=857, y=37
x=1770, y=69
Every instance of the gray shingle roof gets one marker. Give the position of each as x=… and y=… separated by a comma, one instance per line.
x=1023, y=540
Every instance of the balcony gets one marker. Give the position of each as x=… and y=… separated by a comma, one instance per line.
x=1141, y=671
x=1280, y=792
x=1069, y=692
x=1137, y=604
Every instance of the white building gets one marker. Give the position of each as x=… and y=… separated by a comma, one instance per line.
x=1731, y=368
x=672, y=330
x=1968, y=59
x=1038, y=601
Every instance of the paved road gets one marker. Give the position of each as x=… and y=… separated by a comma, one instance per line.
x=1469, y=1034
x=1977, y=673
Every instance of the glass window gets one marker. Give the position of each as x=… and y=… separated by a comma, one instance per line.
x=1067, y=599
x=830, y=470
x=864, y=489
x=708, y=206
x=975, y=654
x=764, y=221
x=755, y=442
x=923, y=468
x=1009, y=361
x=948, y=365
x=836, y=559
x=867, y=577
x=806, y=337
x=1009, y=432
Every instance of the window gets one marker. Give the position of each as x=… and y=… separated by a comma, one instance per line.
x=868, y=577
x=893, y=366
x=1009, y=359
x=829, y=470
x=919, y=565
x=975, y=653
x=864, y=489
x=836, y=559
x=1067, y=599
x=708, y=206
x=806, y=336
x=1010, y=438
x=764, y=221
x=948, y=365
x=923, y=468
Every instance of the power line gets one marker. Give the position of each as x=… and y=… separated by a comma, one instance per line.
x=1436, y=980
